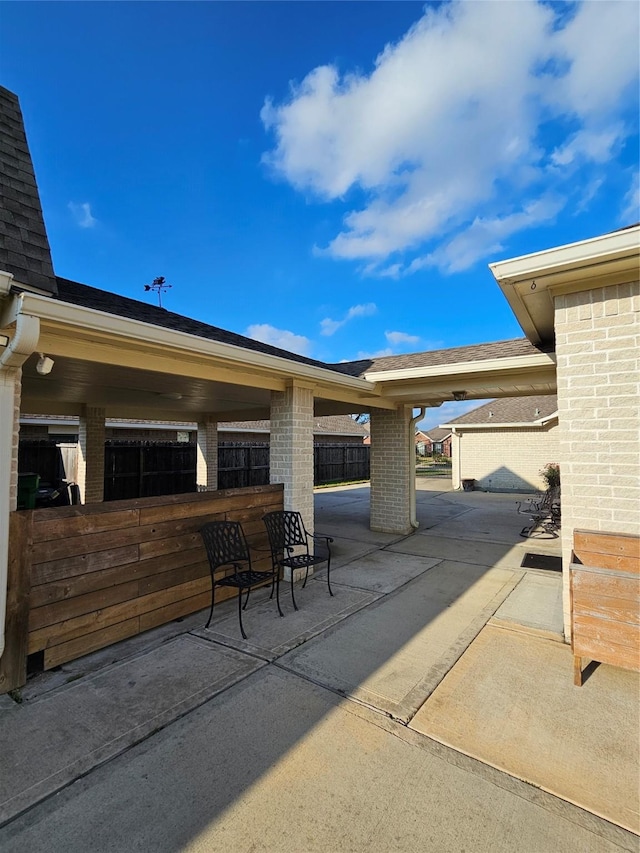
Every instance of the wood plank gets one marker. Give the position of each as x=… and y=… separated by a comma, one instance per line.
x=593, y=628
x=75, y=627
x=224, y=502
x=606, y=651
x=593, y=541
x=69, y=588
x=617, y=609
x=81, y=525
x=69, y=608
x=616, y=562
x=56, y=655
x=74, y=546
x=604, y=585
x=173, y=560
x=175, y=577
x=175, y=610
x=69, y=567
x=13, y=663
x=170, y=545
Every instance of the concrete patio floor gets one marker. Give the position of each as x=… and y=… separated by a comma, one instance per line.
x=428, y=705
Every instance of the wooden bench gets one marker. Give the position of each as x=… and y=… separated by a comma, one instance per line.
x=605, y=600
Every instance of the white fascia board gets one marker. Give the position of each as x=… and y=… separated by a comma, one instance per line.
x=454, y=369
x=569, y=258
x=112, y=325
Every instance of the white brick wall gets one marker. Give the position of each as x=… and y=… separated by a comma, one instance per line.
x=392, y=470
x=207, y=455
x=291, y=448
x=505, y=459
x=598, y=350
x=90, y=470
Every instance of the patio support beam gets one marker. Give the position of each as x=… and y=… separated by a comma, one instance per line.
x=291, y=447
x=90, y=472
x=392, y=470
x=207, y=460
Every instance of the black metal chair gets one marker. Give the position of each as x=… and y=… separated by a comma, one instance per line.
x=226, y=545
x=287, y=534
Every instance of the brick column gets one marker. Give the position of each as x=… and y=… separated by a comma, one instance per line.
x=207, y=463
x=291, y=448
x=91, y=455
x=597, y=345
x=392, y=470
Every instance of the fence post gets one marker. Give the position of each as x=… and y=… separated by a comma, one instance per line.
x=13, y=664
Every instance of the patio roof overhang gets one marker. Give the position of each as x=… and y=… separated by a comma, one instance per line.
x=135, y=369
x=531, y=282
x=497, y=377
x=132, y=368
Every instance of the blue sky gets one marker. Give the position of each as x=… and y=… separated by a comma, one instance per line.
x=329, y=177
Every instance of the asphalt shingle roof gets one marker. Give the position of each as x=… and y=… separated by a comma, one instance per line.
x=511, y=410
x=24, y=246
x=123, y=306
x=455, y=355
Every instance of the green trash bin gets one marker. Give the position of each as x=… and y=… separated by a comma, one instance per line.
x=27, y=490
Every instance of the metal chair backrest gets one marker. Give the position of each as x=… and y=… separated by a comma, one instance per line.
x=285, y=529
x=225, y=543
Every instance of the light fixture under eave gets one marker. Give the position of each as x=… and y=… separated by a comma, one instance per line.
x=44, y=365
x=458, y=396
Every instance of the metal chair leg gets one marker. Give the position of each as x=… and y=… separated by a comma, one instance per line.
x=212, y=603
x=329, y=575
x=293, y=598
x=244, y=636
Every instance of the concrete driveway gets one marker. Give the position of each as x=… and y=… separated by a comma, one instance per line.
x=429, y=705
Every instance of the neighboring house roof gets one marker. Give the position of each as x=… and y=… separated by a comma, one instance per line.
x=338, y=425
x=438, y=433
x=24, y=247
x=510, y=410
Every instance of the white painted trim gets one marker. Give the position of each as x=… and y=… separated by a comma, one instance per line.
x=569, y=258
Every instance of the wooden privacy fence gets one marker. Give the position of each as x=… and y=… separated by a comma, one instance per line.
x=334, y=463
x=84, y=577
x=143, y=469
x=138, y=469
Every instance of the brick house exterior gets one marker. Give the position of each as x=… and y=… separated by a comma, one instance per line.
x=503, y=444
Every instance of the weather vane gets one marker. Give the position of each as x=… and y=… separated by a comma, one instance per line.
x=159, y=286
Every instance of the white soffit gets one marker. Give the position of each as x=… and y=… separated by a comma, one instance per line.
x=530, y=282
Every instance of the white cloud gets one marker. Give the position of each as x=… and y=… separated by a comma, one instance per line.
x=596, y=146
x=82, y=214
x=330, y=327
x=484, y=237
x=454, y=126
x=631, y=212
x=279, y=338
x=397, y=338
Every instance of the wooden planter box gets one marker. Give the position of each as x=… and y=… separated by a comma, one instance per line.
x=605, y=600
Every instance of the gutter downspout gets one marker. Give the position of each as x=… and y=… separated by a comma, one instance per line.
x=412, y=485
x=23, y=344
